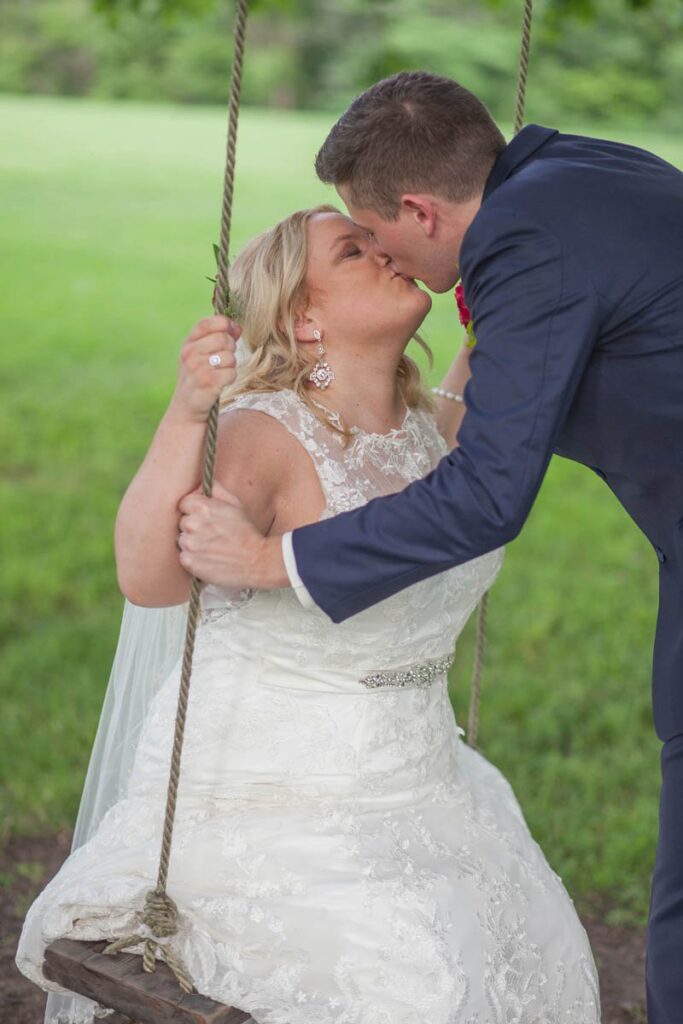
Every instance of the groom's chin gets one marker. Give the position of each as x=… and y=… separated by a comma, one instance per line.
x=440, y=283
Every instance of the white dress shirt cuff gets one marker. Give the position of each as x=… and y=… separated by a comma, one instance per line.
x=294, y=578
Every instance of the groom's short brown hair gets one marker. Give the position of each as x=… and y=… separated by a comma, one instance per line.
x=412, y=132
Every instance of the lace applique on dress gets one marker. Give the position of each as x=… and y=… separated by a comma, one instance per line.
x=372, y=465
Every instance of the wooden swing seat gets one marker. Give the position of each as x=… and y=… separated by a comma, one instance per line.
x=120, y=983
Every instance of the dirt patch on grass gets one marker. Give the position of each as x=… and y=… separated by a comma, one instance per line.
x=27, y=864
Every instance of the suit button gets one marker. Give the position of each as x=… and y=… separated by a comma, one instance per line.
x=660, y=554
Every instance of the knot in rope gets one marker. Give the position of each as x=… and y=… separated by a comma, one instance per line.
x=161, y=913
x=161, y=916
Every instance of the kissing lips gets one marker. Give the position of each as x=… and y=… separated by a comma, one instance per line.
x=404, y=277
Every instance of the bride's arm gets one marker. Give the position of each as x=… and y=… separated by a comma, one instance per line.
x=449, y=413
x=248, y=464
x=257, y=461
x=146, y=527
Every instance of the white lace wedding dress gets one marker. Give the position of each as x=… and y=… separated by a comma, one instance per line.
x=340, y=855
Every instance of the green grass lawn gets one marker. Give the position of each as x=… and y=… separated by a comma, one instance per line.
x=110, y=212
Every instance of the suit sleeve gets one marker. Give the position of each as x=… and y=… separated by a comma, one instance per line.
x=536, y=321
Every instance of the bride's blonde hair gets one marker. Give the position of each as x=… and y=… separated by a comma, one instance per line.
x=268, y=289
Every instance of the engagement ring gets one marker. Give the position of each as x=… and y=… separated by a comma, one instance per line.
x=215, y=359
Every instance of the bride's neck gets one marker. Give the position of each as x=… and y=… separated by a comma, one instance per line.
x=365, y=396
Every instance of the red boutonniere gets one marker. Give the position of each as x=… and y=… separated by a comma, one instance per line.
x=465, y=315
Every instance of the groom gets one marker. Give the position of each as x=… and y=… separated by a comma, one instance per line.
x=571, y=256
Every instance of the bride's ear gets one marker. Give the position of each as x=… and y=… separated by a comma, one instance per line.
x=304, y=326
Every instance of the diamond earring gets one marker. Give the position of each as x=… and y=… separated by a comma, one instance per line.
x=322, y=374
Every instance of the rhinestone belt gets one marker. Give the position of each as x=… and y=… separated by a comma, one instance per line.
x=422, y=674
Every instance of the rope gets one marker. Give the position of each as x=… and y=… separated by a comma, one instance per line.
x=161, y=913
x=478, y=669
x=161, y=917
x=473, y=720
x=523, y=65
x=222, y=293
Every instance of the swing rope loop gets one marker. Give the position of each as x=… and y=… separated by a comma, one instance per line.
x=161, y=913
x=161, y=916
x=478, y=669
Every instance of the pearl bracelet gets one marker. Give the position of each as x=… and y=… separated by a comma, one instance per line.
x=448, y=394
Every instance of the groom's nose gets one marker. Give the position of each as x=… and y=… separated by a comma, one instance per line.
x=383, y=257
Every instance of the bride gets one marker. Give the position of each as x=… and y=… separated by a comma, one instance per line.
x=340, y=855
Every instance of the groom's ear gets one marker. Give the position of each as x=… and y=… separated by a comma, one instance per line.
x=422, y=210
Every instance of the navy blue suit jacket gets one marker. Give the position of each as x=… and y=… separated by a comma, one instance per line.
x=573, y=270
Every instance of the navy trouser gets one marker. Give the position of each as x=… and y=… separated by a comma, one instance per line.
x=664, y=957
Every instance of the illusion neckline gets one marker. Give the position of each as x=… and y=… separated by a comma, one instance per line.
x=358, y=431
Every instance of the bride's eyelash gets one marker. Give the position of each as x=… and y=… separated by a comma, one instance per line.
x=352, y=252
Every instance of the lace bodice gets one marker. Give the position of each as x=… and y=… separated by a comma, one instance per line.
x=421, y=622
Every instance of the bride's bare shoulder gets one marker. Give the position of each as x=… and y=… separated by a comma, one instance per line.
x=262, y=463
